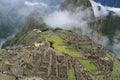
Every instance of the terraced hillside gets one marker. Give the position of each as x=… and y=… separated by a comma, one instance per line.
x=57, y=54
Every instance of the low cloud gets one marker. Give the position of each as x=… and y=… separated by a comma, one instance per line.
x=31, y=3
x=80, y=18
x=102, y=11
x=40, y=4
x=14, y=12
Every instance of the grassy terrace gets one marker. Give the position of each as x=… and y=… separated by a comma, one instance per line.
x=70, y=73
x=116, y=65
x=61, y=48
x=116, y=68
x=88, y=65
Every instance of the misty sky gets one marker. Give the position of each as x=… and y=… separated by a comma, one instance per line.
x=13, y=13
x=24, y=7
x=111, y=3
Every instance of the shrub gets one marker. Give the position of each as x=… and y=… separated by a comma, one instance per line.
x=51, y=44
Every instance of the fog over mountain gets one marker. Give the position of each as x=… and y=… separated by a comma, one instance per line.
x=14, y=12
x=109, y=14
x=103, y=10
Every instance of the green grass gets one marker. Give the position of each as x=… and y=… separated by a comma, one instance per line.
x=60, y=45
x=116, y=68
x=61, y=48
x=88, y=65
x=116, y=65
x=41, y=72
x=70, y=74
x=29, y=38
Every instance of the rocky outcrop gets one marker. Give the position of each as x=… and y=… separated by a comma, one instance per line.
x=72, y=4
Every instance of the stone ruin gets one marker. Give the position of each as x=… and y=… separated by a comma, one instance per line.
x=44, y=63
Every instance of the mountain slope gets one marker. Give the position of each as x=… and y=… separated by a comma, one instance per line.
x=56, y=54
x=43, y=53
x=72, y=4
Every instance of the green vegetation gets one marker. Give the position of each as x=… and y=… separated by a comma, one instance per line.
x=70, y=74
x=28, y=38
x=51, y=44
x=110, y=26
x=92, y=57
x=116, y=67
x=111, y=65
x=41, y=72
x=61, y=48
x=88, y=65
x=63, y=43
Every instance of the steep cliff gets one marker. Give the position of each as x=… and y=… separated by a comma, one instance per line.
x=72, y=4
